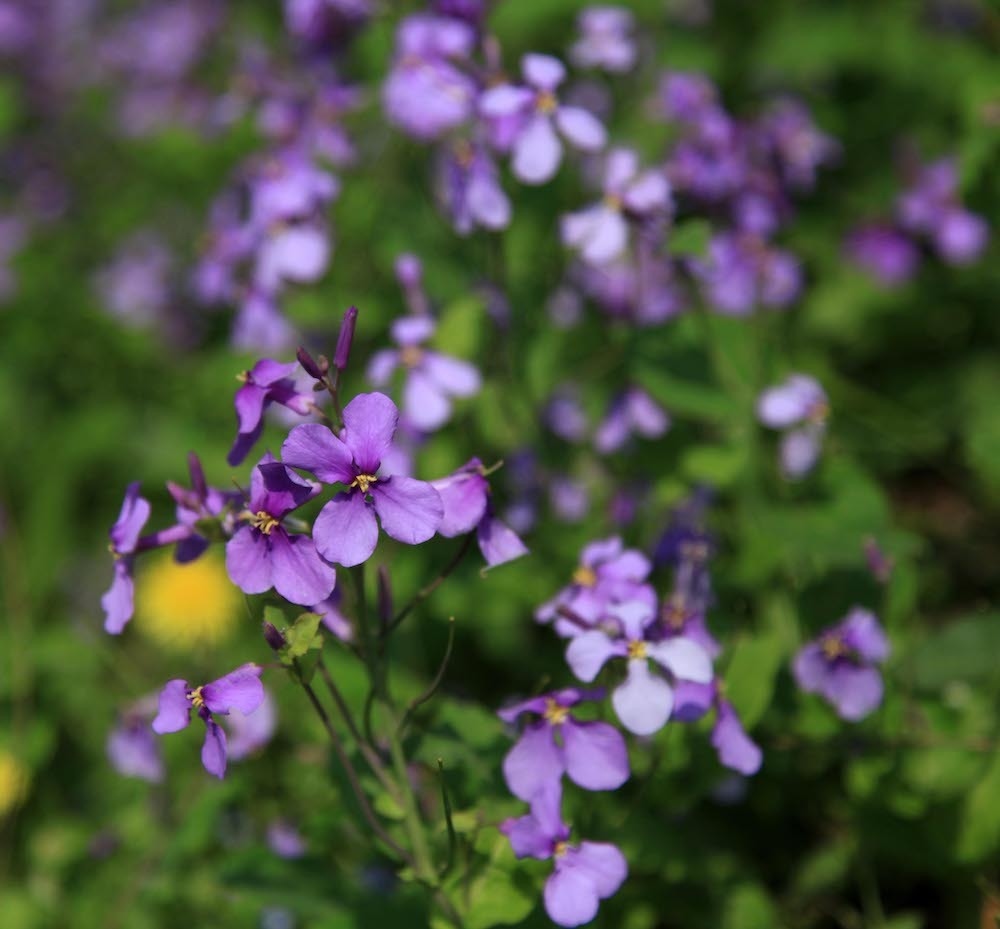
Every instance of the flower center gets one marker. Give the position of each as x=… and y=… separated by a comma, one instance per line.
x=546, y=102
x=584, y=576
x=265, y=522
x=411, y=355
x=560, y=849
x=613, y=202
x=463, y=153
x=554, y=714
x=637, y=649
x=674, y=612
x=694, y=550
x=197, y=700
x=819, y=412
x=362, y=482
x=834, y=648
x=243, y=377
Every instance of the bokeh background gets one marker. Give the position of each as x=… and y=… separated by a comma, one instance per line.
x=891, y=823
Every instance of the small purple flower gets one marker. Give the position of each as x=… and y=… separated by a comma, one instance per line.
x=260, y=326
x=645, y=700
x=132, y=748
x=593, y=754
x=465, y=496
x=537, y=114
x=468, y=184
x=248, y=733
x=569, y=498
x=425, y=94
x=564, y=414
x=634, y=412
x=284, y=839
x=583, y=874
x=605, y=40
x=266, y=383
x=736, y=750
x=432, y=379
x=346, y=530
x=687, y=97
x=239, y=690
x=884, y=252
x=134, y=286
x=840, y=665
x=262, y=553
x=118, y=602
x=797, y=144
x=322, y=24
x=799, y=402
x=199, y=503
x=600, y=232
x=743, y=271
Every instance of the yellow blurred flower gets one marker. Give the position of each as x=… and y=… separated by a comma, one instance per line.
x=13, y=782
x=186, y=606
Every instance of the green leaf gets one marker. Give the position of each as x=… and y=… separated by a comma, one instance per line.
x=979, y=829
x=964, y=650
x=690, y=237
x=502, y=896
x=750, y=906
x=751, y=675
x=302, y=637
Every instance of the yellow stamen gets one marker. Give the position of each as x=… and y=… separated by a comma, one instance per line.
x=584, y=576
x=411, y=355
x=362, y=481
x=560, y=849
x=674, y=612
x=197, y=700
x=546, y=102
x=243, y=377
x=613, y=201
x=819, y=412
x=554, y=715
x=637, y=649
x=265, y=522
x=833, y=648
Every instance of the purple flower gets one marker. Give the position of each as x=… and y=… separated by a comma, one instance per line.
x=583, y=874
x=645, y=700
x=118, y=602
x=325, y=23
x=262, y=553
x=425, y=94
x=564, y=414
x=840, y=665
x=736, y=750
x=199, y=503
x=248, y=733
x=593, y=754
x=239, y=690
x=600, y=232
x=634, y=412
x=605, y=40
x=743, y=271
x=132, y=748
x=799, y=402
x=798, y=146
x=468, y=184
x=284, y=839
x=536, y=114
x=687, y=97
x=266, y=383
x=432, y=379
x=884, y=252
x=346, y=530
x=260, y=326
x=134, y=286
x=333, y=617
x=465, y=496
x=569, y=498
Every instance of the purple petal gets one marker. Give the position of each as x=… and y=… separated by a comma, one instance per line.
x=455, y=377
x=621, y=167
x=604, y=864
x=596, y=756
x=789, y=403
x=240, y=689
x=314, y=448
x=410, y=510
x=646, y=414
x=583, y=130
x=692, y=701
x=134, y=751
x=588, y=652
x=504, y=100
x=277, y=490
x=570, y=896
x=543, y=71
x=242, y=444
x=248, y=561
x=811, y=668
x=175, y=708
x=213, y=750
x=267, y=371
x=463, y=496
x=498, y=542
x=602, y=550
x=537, y=152
x=369, y=424
x=534, y=760
x=381, y=366
x=132, y=517
x=643, y=703
x=487, y=201
x=426, y=405
x=862, y=633
x=527, y=838
x=854, y=692
x=412, y=330
x=345, y=532
x=249, y=401
x=649, y=193
x=298, y=253
x=118, y=602
x=683, y=658
x=736, y=749
x=800, y=450
x=511, y=713
x=248, y=733
x=299, y=574
x=634, y=616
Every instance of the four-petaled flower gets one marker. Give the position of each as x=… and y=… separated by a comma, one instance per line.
x=799, y=408
x=239, y=690
x=346, y=531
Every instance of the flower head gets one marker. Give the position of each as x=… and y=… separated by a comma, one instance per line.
x=633, y=412
x=799, y=408
x=118, y=601
x=605, y=39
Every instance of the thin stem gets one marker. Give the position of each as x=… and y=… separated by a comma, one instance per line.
x=432, y=689
x=446, y=803
x=426, y=591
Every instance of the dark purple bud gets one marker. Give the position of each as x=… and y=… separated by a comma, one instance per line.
x=198, y=482
x=309, y=364
x=345, y=339
x=384, y=594
x=273, y=636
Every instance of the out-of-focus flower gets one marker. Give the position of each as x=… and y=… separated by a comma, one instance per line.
x=248, y=733
x=743, y=271
x=324, y=24
x=118, y=602
x=799, y=408
x=605, y=39
x=634, y=412
x=284, y=839
x=884, y=252
x=133, y=749
x=468, y=185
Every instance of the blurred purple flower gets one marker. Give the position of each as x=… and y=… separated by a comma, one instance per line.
x=284, y=839
x=799, y=408
x=133, y=749
x=118, y=602
x=134, y=286
x=884, y=252
x=605, y=39
x=633, y=412
x=248, y=733
x=743, y=271
x=468, y=185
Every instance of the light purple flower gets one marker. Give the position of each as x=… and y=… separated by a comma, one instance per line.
x=593, y=754
x=266, y=383
x=536, y=114
x=432, y=379
x=798, y=145
x=133, y=750
x=605, y=40
x=840, y=665
x=468, y=185
x=569, y=498
x=799, y=408
x=465, y=496
x=884, y=252
x=134, y=286
x=426, y=94
x=583, y=874
x=633, y=412
x=645, y=700
x=346, y=530
x=600, y=232
x=284, y=839
x=262, y=553
x=743, y=271
x=118, y=601
x=322, y=24
x=248, y=733
x=239, y=690
x=259, y=325
x=564, y=414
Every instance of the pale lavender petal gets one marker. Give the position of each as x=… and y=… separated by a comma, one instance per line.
x=463, y=496
x=118, y=602
x=650, y=192
x=588, y=652
x=863, y=633
x=456, y=377
x=683, y=658
x=811, y=669
x=297, y=253
x=736, y=749
x=537, y=152
x=790, y=402
x=534, y=760
x=504, y=100
x=174, y=708
x=314, y=448
x=570, y=896
x=543, y=71
x=213, y=750
x=647, y=416
x=596, y=756
x=346, y=532
x=800, y=450
x=284, y=839
x=603, y=863
x=596, y=553
x=498, y=542
x=853, y=691
x=298, y=572
x=643, y=703
x=621, y=167
x=511, y=713
x=487, y=202
x=527, y=837
x=692, y=701
x=382, y=365
x=369, y=424
x=248, y=561
x=412, y=330
x=583, y=130
x=132, y=517
x=267, y=371
x=240, y=689
x=425, y=404
x=634, y=616
x=248, y=734
x=410, y=510
x=134, y=752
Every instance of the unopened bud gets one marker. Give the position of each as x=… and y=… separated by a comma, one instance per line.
x=273, y=636
x=198, y=483
x=309, y=364
x=345, y=339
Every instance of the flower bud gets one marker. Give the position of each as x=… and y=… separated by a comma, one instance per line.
x=345, y=339
x=273, y=636
x=198, y=483
x=309, y=364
